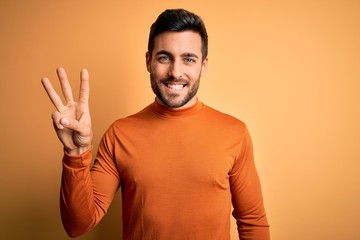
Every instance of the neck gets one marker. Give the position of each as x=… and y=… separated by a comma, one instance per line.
x=190, y=103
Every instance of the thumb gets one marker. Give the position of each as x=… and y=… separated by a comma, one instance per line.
x=72, y=124
x=65, y=122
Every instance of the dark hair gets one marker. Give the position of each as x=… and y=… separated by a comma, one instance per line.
x=177, y=20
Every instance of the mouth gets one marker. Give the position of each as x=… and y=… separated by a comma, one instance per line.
x=175, y=86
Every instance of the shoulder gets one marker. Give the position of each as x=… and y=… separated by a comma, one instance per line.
x=221, y=117
x=223, y=124
x=133, y=120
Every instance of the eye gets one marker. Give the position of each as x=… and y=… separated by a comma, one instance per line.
x=164, y=58
x=189, y=60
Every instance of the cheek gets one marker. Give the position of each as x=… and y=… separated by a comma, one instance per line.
x=158, y=70
x=195, y=73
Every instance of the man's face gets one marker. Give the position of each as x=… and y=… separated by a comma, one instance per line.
x=175, y=68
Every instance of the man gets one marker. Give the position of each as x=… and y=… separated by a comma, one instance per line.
x=179, y=163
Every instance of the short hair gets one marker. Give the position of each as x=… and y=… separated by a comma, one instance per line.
x=178, y=20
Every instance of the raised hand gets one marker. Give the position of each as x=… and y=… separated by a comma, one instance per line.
x=72, y=121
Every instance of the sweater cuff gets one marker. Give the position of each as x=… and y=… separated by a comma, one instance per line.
x=78, y=161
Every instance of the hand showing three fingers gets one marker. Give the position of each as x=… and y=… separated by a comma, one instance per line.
x=72, y=121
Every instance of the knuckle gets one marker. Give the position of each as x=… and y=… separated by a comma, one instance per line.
x=53, y=116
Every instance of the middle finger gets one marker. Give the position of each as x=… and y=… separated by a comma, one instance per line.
x=65, y=85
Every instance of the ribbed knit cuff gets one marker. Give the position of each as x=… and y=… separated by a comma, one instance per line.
x=78, y=161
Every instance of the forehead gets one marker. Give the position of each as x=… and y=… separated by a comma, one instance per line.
x=178, y=42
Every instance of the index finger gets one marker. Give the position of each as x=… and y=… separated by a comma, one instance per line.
x=84, y=87
x=54, y=97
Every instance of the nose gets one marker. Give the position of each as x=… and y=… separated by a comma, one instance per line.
x=176, y=70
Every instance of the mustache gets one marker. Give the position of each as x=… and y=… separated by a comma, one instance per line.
x=170, y=80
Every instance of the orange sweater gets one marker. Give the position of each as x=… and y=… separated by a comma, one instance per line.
x=179, y=171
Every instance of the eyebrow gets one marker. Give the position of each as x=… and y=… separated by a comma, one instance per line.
x=187, y=54
x=190, y=55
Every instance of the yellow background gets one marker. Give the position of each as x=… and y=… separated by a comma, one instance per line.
x=289, y=69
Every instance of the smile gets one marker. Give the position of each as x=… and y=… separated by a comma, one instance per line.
x=175, y=86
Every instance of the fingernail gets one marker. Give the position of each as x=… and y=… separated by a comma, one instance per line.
x=64, y=121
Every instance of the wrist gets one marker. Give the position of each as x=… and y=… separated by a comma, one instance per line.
x=77, y=151
x=76, y=160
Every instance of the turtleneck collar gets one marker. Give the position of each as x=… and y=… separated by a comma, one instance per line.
x=172, y=112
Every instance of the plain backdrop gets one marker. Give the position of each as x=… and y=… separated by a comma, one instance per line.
x=289, y=69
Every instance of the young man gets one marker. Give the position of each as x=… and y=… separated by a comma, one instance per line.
x=179, y=163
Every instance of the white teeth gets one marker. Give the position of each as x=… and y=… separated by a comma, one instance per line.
x=176, y=87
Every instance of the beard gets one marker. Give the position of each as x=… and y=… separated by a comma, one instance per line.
x=174, y=100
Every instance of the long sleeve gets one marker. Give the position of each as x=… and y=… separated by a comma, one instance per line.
x=86, y=194
x=247, y=197
x=178, y=170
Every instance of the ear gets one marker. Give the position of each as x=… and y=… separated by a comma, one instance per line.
x=148, y=60
x=204, y=66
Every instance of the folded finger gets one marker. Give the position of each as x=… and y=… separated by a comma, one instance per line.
x=56, y=117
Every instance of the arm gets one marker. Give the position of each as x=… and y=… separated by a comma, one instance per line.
x=85, y=194
x=247, y=198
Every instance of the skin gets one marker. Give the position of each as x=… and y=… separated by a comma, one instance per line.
x=72, y=121
x=175, y=66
